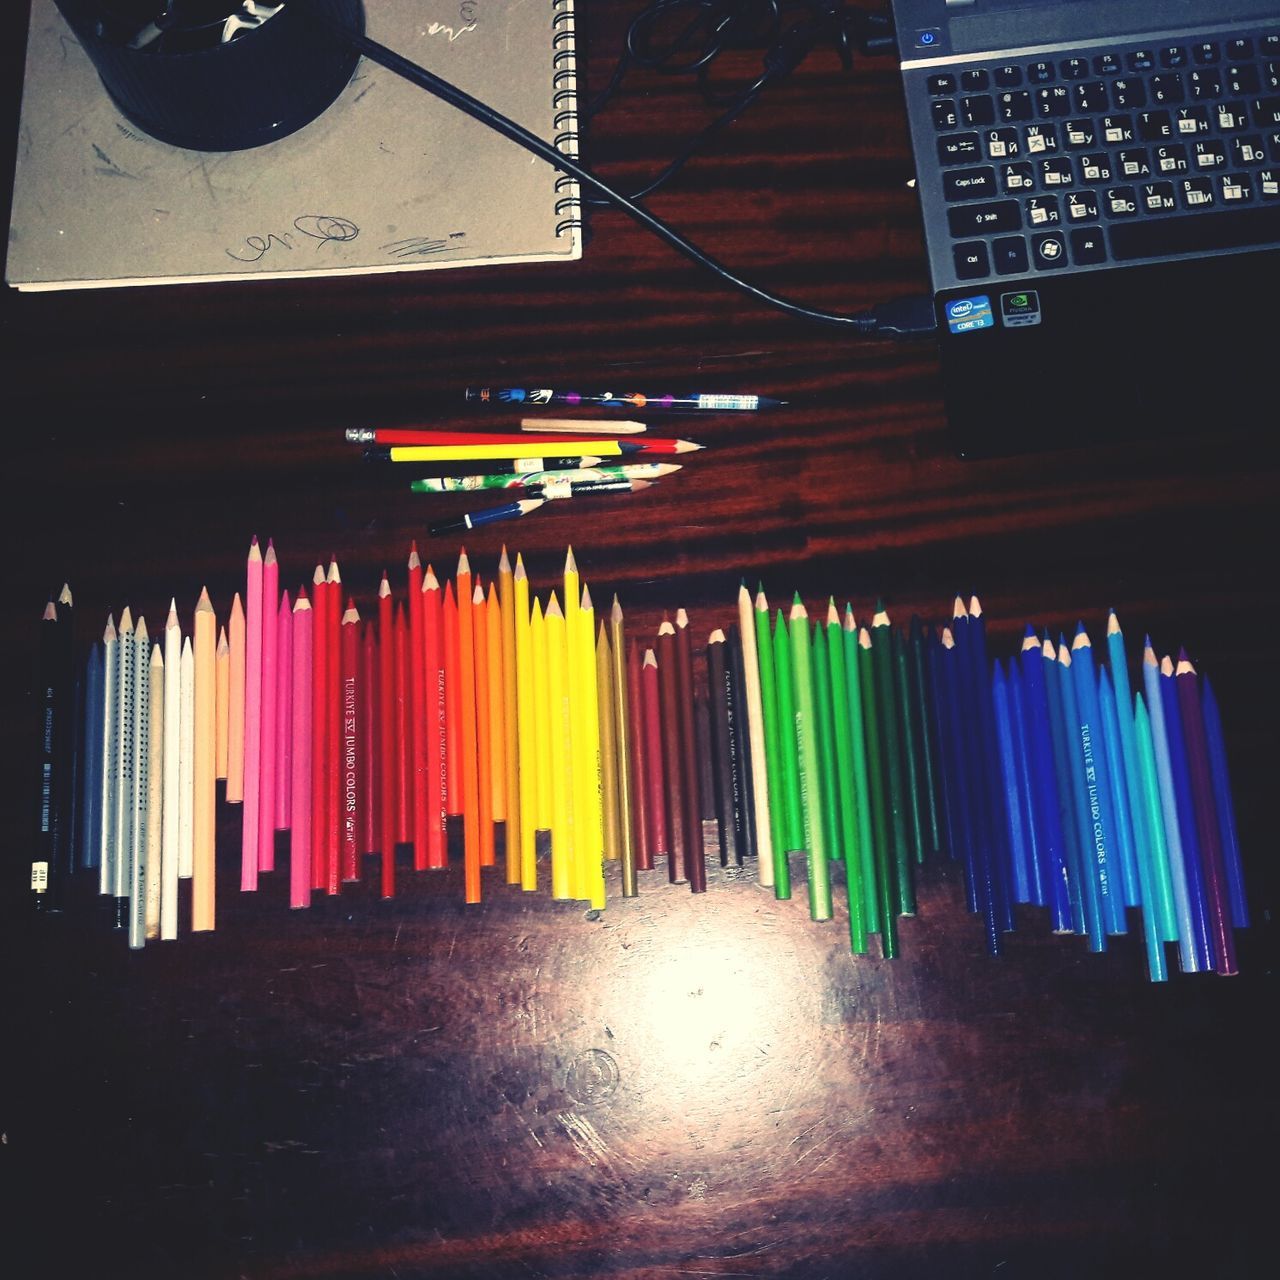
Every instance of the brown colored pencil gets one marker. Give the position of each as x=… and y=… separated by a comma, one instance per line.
x=641, y=819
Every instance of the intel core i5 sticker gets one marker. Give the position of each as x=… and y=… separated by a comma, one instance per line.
x=964, y=314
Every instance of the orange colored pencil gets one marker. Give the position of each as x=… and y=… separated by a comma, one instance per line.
x=417, y=713
x=433, y=660
x=497, y=718
x=319, y=722
x=484, y=724
x=387, y=737
x=452, y=704
x=467, y=733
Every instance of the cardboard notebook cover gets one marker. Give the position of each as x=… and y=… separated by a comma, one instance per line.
x=388, y=178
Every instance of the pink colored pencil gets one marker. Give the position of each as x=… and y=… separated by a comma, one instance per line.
x=333, y=734
x=284, y=712
x=417, y=713
x=653, y=754
x=367, y=694
x=387, y=737
x=235, y=703
x=433, y=661
x=300, y=768
x=252, y=718
x=267, y=750
x=349, y=738
x=404, y=765
x=319, y=722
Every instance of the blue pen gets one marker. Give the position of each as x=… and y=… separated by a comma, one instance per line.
x=474, y=519
x=1226, y=806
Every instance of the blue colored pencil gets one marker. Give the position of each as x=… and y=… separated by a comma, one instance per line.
x=1187, y=685
x=1022, y=758
x=1157, y=967
x=1190, y=953
x=1122, y=805
x=1091, y=882
x=1065, y=792
x=90, y=835
x=1226, y=805
x=1048, y=799
x=1102, y=811
x=1184, y=809
x=1011, y=793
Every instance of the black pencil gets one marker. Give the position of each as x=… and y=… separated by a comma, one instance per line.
x=720, y=749
x=740, y=748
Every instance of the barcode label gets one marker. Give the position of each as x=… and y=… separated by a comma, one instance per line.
x=39, y=876
x=728, y=402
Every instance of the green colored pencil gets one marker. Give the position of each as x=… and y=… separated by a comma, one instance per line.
x=844, y=781
x=888, y=905
x=826, y=730
x=861, y=787
x=891, y=757
x=790, y=766
x=772, y=749
x=804, y=717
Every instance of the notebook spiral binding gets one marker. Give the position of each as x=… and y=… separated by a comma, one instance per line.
x=564, y=102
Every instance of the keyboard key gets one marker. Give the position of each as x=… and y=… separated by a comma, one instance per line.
x=1116, y=130
x=979, y=219
x=1173, y=55
x=1042, y=211
x=1088, y=97
x=1157, y=197
x=1055, y=101
x=1170, y=159
x=1017, y=177
x=977, y=183
x=1040, y=73
x=1233, y=116
x=1080, y=134
x=1273, y=145
x=1015, y=105
x=1007, y=77
x=1269, y=184
x=1271, y=75
x=1082, y=206
x=1003, y=144
x=1039, y=139
x=1206, y=53
x=1087, y=246
x=1266, y=112
x=1235, y=188
x=1211, y=154
x=974, y=81
x=1049, y=249
x=1106, y=64
x=1056, y=171
x=1167, y=88
x=1240, y=48
x=1074, y=68
x=1154, y=126
x=1140, y=60
x=944, y=115
x=978, y=110
x=1133, y=162
x=1191, y=122
x=1009, y=255
x=958, y=148
x=1270, y=43
x=1243, y=79
x=943, y=85
x=1247, y=150
x=1230, y=229
x=1203, y=85
x=1196, y=193
x=1128, y=93
x=1120, y=202
x=971, y=261
x=1095, y=167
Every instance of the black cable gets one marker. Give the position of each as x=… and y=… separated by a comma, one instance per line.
x=899, y=320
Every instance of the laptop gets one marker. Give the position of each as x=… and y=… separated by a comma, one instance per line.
x=1099, y=182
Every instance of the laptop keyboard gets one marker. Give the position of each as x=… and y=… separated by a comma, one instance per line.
x=1114, y=155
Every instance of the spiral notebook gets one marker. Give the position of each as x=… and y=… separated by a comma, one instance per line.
x=388, y=178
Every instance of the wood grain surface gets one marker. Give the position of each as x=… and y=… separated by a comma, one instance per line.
x=679, y=1085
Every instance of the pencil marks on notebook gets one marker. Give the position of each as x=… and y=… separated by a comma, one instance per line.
x=317, y=227
x=424, y=246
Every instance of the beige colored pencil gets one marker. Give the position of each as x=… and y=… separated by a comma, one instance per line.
x=222, y=705
x=755, y=735
x=172, y=737
x=586, y=427
x=235, y=703
x=204, y=794
x=155, y=796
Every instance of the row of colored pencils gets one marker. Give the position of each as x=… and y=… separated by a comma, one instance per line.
x=1050, y=784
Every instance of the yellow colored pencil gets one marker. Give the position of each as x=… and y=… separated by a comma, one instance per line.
x=501, y=452
x=541, y=718
x=497, y=712
x=590, y=843
x=562, y=811
x=622, y=731
x=608, y=745
x=523, y=762
x=573, y=642
x=510, y=720
x=203, y=815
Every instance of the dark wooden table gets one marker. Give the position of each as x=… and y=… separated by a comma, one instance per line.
x=681, y=1086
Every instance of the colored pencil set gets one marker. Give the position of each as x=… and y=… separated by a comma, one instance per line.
x=1041, y=775
x=526, y=730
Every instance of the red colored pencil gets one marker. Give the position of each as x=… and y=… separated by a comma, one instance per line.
x=433, y=659
x=367, y=694
x=452, y=710
x=641, y=819
x=284, y=713
x=349, y=754
x=388, y=753
x=417, y=713
x=403, y=764
x=319, y=722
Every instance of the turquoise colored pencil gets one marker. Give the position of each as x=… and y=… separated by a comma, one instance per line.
x=773, y=749
x=804, y=718
x=844, y=769
x=861, y=787
x=881, y=837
